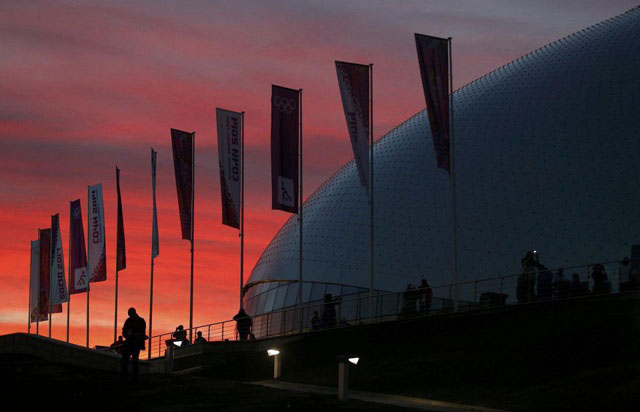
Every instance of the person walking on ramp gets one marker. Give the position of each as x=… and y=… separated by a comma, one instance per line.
x=134, y=334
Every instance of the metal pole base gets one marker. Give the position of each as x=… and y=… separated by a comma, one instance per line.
x=277, y=367
x=343, y=381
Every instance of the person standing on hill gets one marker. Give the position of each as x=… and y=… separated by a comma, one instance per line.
x=243, y=324
x=328, y=319
x=134, y=334
x=600, y=280
x=527, y=278
x=426, y=297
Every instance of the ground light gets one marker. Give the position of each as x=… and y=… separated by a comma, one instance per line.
x=343, y=374
x=275, y=354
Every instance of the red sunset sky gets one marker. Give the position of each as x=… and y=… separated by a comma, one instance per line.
x=86, y=86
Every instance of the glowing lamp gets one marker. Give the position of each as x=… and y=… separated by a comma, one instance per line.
x=277, y=365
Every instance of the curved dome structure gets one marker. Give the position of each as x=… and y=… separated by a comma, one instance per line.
x=547, y=157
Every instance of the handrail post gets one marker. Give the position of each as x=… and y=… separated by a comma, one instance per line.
x=222, y=339
x=475, y=292
x=268, y=320
x=587, y=276
x=169, y=356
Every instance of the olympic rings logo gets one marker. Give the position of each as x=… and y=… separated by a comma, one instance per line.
x=284, y=104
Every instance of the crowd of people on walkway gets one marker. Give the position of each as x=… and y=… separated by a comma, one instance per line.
x=329, y=316
x=417, y=300
x=537, y=283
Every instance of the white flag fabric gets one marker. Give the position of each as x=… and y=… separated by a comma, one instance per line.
x=230, y=161
x=58, y=284
x=96, y=243
x=155, y=241
x=353, y=80
x=34, y=281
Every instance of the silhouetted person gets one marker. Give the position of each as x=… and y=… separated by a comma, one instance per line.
x=577, y=287
x=180, y=335
x=328, y=319
x=527, y=279
x=200, y=339
x=561, y=286
x=315, y=321
x=426, y=297
x=545, y=283
x=410, y=300
x=134, y=333
x=600, y=280
x=243, y=324
x=117, y=346
x=634, y=273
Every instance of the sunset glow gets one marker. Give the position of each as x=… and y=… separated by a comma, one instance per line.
x=87, y=87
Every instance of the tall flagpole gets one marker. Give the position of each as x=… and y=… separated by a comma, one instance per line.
x=69, y=301
x=151, y=307
x=115, y=315
x=115, y=319
x=154, y=244
x=300, y=188
x=193, y=197
x=89, y=275
x=88, y=290
x=453, y=186
x=50, y=274
x=29, y=310
x=30, y=281
x=242, y=209
x=39, y=284
x=371, y=199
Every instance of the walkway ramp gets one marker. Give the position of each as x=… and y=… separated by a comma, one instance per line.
x=55, y=351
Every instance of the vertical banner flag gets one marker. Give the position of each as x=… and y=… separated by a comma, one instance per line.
x=433, y=56
x=58, y=282
x=353, y=80
x=121, y=254
x=229, y=158
x=34, y=298
x=155, y=241
x=96, y=242
x=285, y=136
x=182, y=143
x=77, y=250
x=45, y=268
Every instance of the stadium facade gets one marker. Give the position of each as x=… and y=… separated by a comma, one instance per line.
x=547, y=158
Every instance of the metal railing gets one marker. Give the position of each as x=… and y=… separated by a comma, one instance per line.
x=353, y=309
